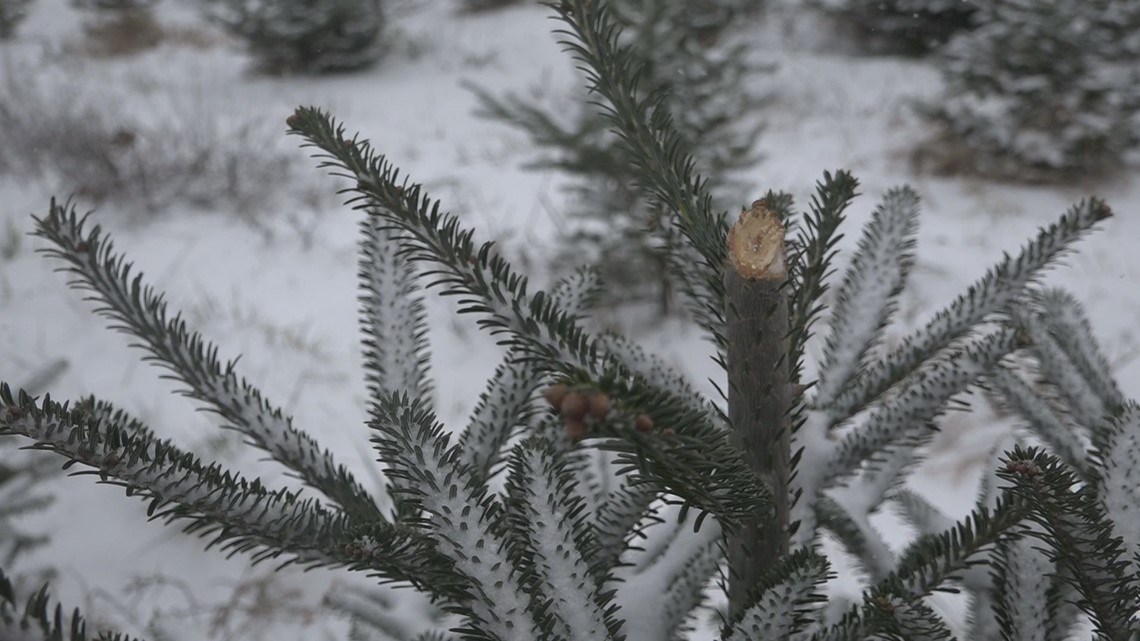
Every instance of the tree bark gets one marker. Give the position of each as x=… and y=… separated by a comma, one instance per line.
x=759, y=389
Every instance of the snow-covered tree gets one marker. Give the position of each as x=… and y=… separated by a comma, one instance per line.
x=1041, y=89
x=593, y=493
x=305, y=36
x=12, y=13
x=699, y=56
x=908, y=27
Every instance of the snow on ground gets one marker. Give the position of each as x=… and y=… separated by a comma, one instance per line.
x=282, y=292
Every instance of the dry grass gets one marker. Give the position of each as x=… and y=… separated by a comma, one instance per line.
x=76, y=124
x=122, y=34
x=135, y=32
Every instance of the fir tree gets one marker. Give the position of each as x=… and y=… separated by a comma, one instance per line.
x=907, y=27
x=305, y=36
x=12, y=13
x=695, y=54
x=601, y=444
x=1042, y=89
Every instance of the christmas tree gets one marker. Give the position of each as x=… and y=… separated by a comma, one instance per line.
x=697, y=61
x=1042, y=89
x=305, y=36
x=600, y=444
x=907, y=27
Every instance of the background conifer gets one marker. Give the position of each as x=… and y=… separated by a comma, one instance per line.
x=697, y=56
x=305, y=36
x=1042, y=89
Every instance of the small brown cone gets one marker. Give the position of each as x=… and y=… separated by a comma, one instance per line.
x=574, y=406
x=293, y=121
x=554, y=395
x=643, y=423
x=600, y=405
x=576, y=429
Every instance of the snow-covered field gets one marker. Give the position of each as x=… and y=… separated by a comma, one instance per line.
x=276, y=281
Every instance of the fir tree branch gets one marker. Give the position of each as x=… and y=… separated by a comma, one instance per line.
x=812, y=252
x=579, y=154
x=783, y=602
x=675, y=566
x=1117, y=487
x=392, y=320
x=695, y=462
x=1019, y=597
x=507, y=403
x=920, y=513
x=38, y=622
x=463, y=519
x=376, y=615
x=666, y=168
x=1070, y=384
x=857, y=536
x=865, y=493
x=869, y=295
x=549, y=522
x=846, y=511
x=393, y=324
x=924, y=395
x=138, y=310
x=236, y=514
x=657, y=373
x=932, y=560
x=685, y=590
x=1015, y=393
x=1076, y=526
x=1068, y=325
x=487, y=285
x=1002, y=285
x=619, y=515
x=900, y=617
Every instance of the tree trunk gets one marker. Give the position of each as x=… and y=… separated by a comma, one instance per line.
x=759, y=389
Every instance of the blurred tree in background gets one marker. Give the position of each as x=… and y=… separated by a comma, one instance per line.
x=697, y=56
x=305, y=36
x=1042, y=89
x=906, y=27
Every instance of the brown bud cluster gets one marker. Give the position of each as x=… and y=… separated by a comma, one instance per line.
x=577, y=409
x=574, y=406
x=293, y=121
x=643, y=423
x=580, y=409
x=1027, y=469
